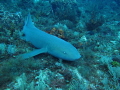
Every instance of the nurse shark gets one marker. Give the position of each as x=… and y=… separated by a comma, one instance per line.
x=47, y=43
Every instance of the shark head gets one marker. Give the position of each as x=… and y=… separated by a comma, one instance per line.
x=66, y=52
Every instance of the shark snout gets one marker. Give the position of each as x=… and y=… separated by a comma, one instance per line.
x=75, y=57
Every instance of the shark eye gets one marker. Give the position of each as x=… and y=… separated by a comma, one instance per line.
x=64, y=52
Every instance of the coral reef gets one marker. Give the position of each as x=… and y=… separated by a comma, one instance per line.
x=65, y=10
x=57, y=32
x=92, y=26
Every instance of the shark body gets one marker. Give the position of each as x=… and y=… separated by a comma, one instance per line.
x=47, y=43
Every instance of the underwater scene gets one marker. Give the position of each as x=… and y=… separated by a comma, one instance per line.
x=59, y=44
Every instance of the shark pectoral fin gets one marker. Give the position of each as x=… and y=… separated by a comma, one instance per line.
x=32, y=53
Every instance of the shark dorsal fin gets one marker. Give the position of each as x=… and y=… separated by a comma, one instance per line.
x=28, y=21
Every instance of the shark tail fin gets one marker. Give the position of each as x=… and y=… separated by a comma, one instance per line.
x=28, y=21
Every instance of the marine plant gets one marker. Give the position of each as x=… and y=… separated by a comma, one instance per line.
x=95, y=22
x=115, y=64
x=66, y=11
